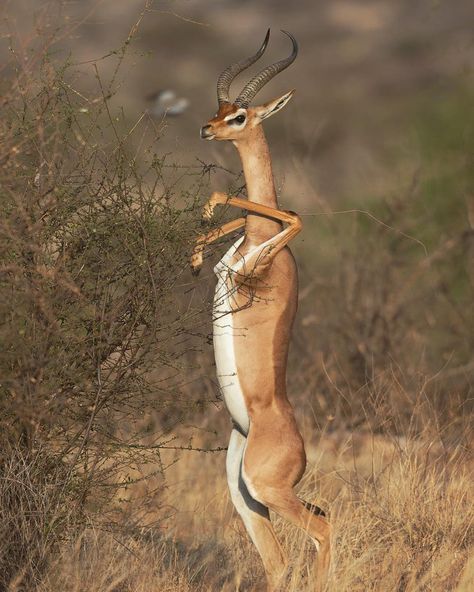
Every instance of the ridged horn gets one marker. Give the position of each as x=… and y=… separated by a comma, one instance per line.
x=225, y=79
x=259, y=81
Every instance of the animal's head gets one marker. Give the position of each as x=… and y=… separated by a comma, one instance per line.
x=234, y=120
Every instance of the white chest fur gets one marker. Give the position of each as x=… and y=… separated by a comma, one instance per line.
x=224, y=335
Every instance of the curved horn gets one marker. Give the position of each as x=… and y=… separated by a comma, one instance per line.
x=252, y=87
x=225, y=79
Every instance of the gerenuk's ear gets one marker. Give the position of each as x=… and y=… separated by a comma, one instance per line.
x=272, y=107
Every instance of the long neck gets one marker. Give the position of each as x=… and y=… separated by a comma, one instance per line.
x=257, y=165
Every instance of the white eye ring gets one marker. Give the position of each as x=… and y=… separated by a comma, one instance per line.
x=235, y=120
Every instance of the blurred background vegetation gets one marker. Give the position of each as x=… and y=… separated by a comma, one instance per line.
x=108, y=396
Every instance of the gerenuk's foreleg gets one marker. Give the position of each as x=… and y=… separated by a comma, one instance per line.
x=264, y=255
x=210, y=237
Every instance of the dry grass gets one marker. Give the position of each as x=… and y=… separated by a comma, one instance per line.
x=402, y=511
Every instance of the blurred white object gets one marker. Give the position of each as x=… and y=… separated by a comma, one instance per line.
x=165, y=102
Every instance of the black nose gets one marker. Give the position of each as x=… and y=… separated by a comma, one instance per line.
x=206, y=131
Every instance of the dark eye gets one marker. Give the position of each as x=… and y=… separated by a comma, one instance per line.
x=237, y=120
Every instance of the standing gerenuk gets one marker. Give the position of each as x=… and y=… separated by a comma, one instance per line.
x=254, y=308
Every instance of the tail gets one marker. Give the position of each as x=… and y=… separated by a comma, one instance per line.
x=317, y=511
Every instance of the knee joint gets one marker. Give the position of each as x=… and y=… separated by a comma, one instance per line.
x=295, y=221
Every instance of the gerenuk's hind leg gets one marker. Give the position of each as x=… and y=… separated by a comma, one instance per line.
x=285, y=503
x=254, y=515
x=270, y=471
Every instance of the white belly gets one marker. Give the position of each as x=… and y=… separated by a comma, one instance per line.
x=224, y=351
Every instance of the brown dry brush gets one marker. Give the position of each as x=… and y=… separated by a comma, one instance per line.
x=386, y=325
x=94, y=246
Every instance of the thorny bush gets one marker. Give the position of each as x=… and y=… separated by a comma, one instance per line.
x=94, y=245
